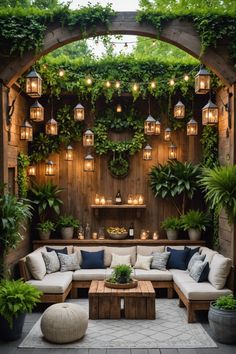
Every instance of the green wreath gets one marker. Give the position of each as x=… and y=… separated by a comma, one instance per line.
x=118, y=167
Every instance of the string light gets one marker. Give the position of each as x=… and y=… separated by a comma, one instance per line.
x=117, y=84
x=186, y=77
x=108, y=84
x=135, y=87
x=153, y=84
x=61, y=72
x=172, y=82
x=89, y=81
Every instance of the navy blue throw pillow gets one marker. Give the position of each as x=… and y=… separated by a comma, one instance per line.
x=192, y=251
x=204, y=274
x=92, y=260
x=57, y=250
x=177, y=258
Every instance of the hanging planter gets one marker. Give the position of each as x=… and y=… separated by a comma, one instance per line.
x=118, y=167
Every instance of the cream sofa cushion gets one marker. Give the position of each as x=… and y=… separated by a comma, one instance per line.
x=208, y=253
x=148, y=250
x=87, y=249
x=91, y=274
x=36, y=265
x=116, y=260
x=201, y=291
x=120, y=251
x=219, y=271
x=152, y=275
x=54, y=283
x=143, y=262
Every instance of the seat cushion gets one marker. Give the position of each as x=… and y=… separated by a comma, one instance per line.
x=120, y=251
x=91, y=274
x=219, y=271
x=54, y=283
x=180, y=276
x=148, y=250
x=152, y=275
x=201, y=291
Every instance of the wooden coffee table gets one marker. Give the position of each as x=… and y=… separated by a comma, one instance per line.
x=105, y=303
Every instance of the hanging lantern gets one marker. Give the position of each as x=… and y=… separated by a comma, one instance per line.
x=149, y=125
x=26, y=131
x=119, y=108
x=179, y=110
x=69, y=153
x=34, y=84
x=202, y=81
x=31, y=170
x=50, y=168
x=51, y=127
x=192, y=127
x=210, y=113
x=88, y=163
x=135, y=87
x=167, y=134
x=157, y=127
x=79, y=112
x=88, y=138
x=147, y=152
x=172, y=152
x=37, y=112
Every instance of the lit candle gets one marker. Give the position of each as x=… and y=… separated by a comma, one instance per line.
x=202, y=84
x=94, y=235
x=140, y=199
x=155, y=236
x=130, y=199
x=143, y=235
x=81, y=236
x=102, y=201
x=135, y=200
x=97, y=199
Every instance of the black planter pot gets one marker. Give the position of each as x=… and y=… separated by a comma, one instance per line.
x=123, y=280
x=10, y=334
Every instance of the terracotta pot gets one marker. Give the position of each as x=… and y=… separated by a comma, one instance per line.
x=194, y=234
x=172, y=234
x=67, y=232
x=44, y=235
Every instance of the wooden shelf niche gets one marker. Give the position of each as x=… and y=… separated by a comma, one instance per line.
x=138, y=207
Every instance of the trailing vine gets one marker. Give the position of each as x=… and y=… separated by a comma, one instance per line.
x=23, y=162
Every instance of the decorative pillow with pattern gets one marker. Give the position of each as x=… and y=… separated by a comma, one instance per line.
x=160, y=260
x=51, y=262
x=143, y=262
x=69, y=261
x=196, y=257
x=199, y=271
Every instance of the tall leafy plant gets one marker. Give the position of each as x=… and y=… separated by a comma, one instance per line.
x=175, y=179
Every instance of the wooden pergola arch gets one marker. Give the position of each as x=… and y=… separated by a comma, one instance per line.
x=179, y=33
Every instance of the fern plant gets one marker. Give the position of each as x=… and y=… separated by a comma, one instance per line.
x=195, y=219
x=227, y=302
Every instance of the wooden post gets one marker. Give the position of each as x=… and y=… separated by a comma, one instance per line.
x=3, y=134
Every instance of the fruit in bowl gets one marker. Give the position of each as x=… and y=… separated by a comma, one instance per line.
x=117, y=233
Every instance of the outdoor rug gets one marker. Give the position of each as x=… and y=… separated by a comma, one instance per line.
x=169, y=330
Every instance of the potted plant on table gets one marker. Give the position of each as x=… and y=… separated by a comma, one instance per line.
x=171, y=225
x=16, y=299
x=222, y=319
x=121, y=277
x=195, y=221
x=67, y=223
x=45, y=228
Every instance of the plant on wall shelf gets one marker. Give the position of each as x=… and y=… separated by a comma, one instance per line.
x=171, y=225
x=23, y=162
x=195, y=221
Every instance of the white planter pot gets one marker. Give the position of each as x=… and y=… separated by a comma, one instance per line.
x=172, y=234
x=44, y=235
x=194, y=234
x=67, y=233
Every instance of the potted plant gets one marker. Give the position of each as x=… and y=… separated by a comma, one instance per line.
x=222, y=319
x=67, y=223
x=171, y=225
x=45, y=228
x=195, y=221
x=13, y=214
x=16, y=299
x=121, y=274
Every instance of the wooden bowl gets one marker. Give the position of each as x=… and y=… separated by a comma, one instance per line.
x=132, y=284
x=118, y=236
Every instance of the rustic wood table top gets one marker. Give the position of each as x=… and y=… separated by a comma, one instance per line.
x=144, y=288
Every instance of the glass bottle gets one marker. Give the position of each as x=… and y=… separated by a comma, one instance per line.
x=87, y=231
x=118, y=198
x=131, y=230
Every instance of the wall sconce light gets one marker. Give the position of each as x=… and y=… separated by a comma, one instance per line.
x=202, y=81
x=33, y=84
x=210, y=113
x=157, y=127
x=89, y=163
x=149, y=125
x=50, y=168
x=192, y=127
x=69, y=153
x=31, y=170
x=26, y=131
x=179, y=110
x=167, y=134
x=51, y=127
x=36, y=112
x=79, y=112
x=147, y=152
x=88, y=138
x=172, y=152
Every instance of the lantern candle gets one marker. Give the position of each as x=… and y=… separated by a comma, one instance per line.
x=94, y=235
x=130, y=199
x=143, y=235
x=155, y=236
x=140, y=199
x=102, y=200
x=135, y=200
x=97, y=199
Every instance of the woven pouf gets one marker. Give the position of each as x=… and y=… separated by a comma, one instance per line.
x=64, y=323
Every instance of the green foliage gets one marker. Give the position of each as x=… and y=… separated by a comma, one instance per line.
x=121, y=274
x=119, y=167
x=46, y=226
x=209, y=141
x=45, y=196
x=73, y=50
x=219, y=184
x=175, y=179
x=227, y=302
x=171, y=223
x=68, y=221
x=22, y=178
x=17, y=297
x=195, y=219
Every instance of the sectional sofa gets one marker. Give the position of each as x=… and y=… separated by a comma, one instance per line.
x=193, y=295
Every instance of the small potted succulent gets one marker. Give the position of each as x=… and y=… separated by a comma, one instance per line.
x=121, y=274
x=45, y=228
x=16, y=299
x=67, y=223
x=171, y=225
x=195, y=221
x=222, y=319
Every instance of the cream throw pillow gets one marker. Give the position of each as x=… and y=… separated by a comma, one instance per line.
x=219, y=271
x=117, y=259
x=36, y=265
x=143, y=262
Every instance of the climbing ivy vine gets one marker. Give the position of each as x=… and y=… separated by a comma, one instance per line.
x=23, y=162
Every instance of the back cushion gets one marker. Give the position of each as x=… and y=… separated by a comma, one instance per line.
x=148, y=250
x=219, y=271
x=208, y=253
x=87, y=249
x=120, y=251
x=36, y=265
x=177, y=258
